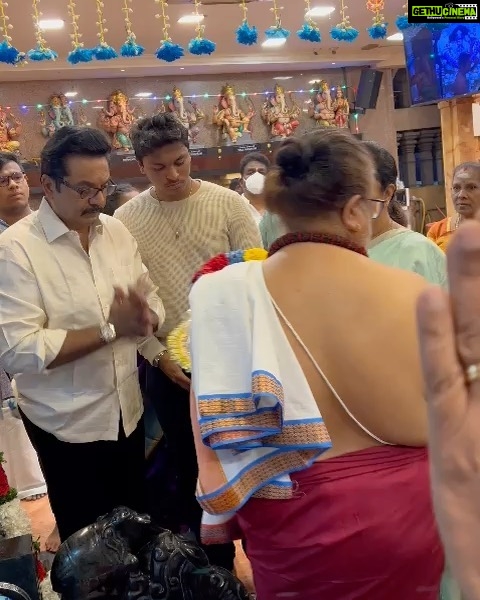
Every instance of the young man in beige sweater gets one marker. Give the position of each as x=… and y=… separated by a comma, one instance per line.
x=179, y=224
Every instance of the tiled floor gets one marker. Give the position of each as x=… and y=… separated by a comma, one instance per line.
x=43, y=523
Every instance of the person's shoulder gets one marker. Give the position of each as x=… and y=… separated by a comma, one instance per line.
x=131, y=210
x=19, y=234
x=416, y=239
x=217, y=192
x=435, y=228
x=227, y=282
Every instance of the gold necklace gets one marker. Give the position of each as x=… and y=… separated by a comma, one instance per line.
x=457, y=222
x=176, y=232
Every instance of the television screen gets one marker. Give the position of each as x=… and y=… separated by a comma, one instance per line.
x=443, y=61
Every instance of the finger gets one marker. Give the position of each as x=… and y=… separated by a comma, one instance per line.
x=443, y=374
x=118, y=295
x=463, y=259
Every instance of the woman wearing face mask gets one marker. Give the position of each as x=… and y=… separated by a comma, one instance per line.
x=253, y=169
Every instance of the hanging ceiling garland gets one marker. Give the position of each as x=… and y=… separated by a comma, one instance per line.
x=130, y=47
x=309, y=31
x=246, y=35
x=344, y=32
x=277, y=32
x=78, y=54
x=200, y=45
x=378, y=31
x=41, y=51
x=103, y=51
x=402, y=20
x=168, y=51
x=8, y=53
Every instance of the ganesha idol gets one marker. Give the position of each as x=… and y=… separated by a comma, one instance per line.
x=116, y=120
x=10, y=130
x=188, y=118
x=59, y=115
x=321, y=107
x=282, y=119
x=232, y=121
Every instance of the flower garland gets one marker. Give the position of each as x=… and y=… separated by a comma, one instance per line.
x=402, y=20
x=78, y=54
x=41, y=51
x=178, y=341
x=199, y=45
x=378, y=31
x=276, y=31
x=309, y=31
x=246, y=35
x=130, y=47
x=8, y=53
x=344, y=32
x=167, y=51
x=102, y=51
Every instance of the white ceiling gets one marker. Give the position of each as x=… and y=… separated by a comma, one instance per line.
x=222, y=17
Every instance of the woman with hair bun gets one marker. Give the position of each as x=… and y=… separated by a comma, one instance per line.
x=311, y=439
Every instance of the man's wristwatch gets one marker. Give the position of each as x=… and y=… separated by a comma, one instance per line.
x=108, y=333
x=158, y=358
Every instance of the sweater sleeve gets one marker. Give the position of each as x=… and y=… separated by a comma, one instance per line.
x=243, y=232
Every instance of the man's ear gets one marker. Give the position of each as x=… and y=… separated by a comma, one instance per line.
x=48, y=185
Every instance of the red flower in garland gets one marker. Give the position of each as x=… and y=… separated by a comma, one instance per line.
x=41, y=572
x=217, y=263
x=4, y=485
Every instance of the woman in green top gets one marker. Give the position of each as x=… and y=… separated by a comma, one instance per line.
x=393, y=244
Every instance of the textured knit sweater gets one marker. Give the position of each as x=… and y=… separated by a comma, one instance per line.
x=175, y=239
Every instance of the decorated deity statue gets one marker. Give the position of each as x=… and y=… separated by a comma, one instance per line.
x=116, y=120
x=231, y=120
x=10, y=130
x=341, y=109
x=188, y=118
x=321, y=109
x=282, y=119
x=57, y=115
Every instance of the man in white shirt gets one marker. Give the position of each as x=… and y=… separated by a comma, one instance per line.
x=253, y=170
x=75, y=303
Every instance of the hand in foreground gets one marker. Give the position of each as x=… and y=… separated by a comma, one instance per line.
x=449, y=330
x=130, y=313
x=174, y=372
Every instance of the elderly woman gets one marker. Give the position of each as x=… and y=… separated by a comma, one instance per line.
x=466, y=200
x=311, y=445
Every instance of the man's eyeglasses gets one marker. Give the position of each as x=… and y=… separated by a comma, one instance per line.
x=17, y=177
x=377, y=207
x=89, y=193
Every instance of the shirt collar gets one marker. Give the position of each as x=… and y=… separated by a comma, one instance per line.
x=3, y=225
x=52, y=226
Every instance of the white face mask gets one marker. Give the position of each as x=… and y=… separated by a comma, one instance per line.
x=255, y=184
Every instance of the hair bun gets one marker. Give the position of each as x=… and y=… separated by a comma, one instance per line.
x=291, y=160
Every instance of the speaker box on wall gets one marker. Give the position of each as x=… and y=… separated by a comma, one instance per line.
x=368, y=88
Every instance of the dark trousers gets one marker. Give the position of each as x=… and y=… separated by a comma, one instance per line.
x=88, y=480
x=172, y=404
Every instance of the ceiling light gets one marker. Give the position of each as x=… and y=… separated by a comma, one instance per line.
x=334, y=63
x=283, y=78
x=191, y=19
x=50, y=24
x=274, y=42
x=70, y=94
x=122, y=70
x=320, y=11
x=97, y=107
x=315, y=81
x=182, y=68
x=395, y=37
x=143, y=95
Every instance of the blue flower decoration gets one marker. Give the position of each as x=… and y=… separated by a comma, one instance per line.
x=131, y=48
x=341, y=33
x=104, y=52
x=378, y=31
x=402, y=22
x=8, y=54
x=236, y=256
x=21, y=58
x=308, y=33
x=200, y=46
x=80, y=55
x=246, y=35
x=39, y=54
x=275, y=33
x=169, y=52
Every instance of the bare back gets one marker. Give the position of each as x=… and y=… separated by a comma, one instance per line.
x=357, y=318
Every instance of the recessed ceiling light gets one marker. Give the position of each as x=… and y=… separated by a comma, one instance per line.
x=71, y=94
x=315, y=80
x=283, y=78
x=334, y=63
x=274, y=42
x=50, y=24
x=320, y=11
x=143, y=95
x=122, y=70
x=395, y=37
x=182, y=68
x=97, y=107
x=191, y=19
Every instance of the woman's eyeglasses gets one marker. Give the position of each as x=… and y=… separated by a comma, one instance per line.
x=17, y=177
x=89, y=193
x=377, y=207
